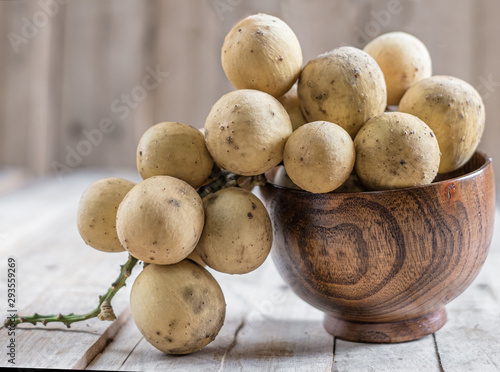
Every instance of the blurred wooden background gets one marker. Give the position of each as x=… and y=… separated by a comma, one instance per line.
x=67, y=67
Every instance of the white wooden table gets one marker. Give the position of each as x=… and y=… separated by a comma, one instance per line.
x=267, y=327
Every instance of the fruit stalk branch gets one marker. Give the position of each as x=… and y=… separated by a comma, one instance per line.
x=228, y=179
x=104, y=310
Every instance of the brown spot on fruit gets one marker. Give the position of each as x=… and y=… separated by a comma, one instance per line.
x=193, y=297
x=174, y=202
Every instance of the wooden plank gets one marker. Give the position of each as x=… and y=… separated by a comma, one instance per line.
x=275, y=336
x=321, y=26
x=176, y=56
x=56, y=272
x=419, y=355
x=85, y=78
x=205, y=33
x=297, y=335
x=485, y=74
x=55, y=346
x=130, y=50
x=267, y=327
x=44, y=93
x=61, y=348
x=144, y=356
x=4, y=45
x=37, y=346
x=86, y=339
x=30, y=77
x=280, y=332
x=470, y=340
x=447, y=45
x=107, y=68
x=264, y=330
x=16, y=78
x=146, y=60
x=117, y=351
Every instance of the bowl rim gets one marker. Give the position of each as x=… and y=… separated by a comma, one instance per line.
x=487, y=163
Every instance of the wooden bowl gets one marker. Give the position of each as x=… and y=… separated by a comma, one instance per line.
x=383, y=264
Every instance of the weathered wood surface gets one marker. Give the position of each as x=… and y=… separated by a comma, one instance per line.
x=474, y=318
x=56, y=273
x=267, y=327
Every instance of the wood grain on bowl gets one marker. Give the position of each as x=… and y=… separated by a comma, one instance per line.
x=382, y=265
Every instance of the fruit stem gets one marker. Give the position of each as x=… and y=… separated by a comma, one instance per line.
x=104, y=311
x=225, y=179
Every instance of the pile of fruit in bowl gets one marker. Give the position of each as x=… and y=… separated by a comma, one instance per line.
x=379, y=208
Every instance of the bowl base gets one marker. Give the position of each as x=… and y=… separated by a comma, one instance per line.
x=386, y=333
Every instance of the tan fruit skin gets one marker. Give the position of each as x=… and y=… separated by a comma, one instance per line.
x=319, y=156
x=396, y=150
x=194, y=256
x=96, y=216
x=160, y=220
x=344, y=86
x=454, y=110
x=246, y=131
x=403, y=59
x=178, y=308
x=174, y=149
x=262, y=52
x=237, y=236
x=290, y=101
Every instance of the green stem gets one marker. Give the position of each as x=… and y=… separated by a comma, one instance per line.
x=104, y=311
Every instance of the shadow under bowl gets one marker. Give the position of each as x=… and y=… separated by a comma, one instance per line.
x=382, y=265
